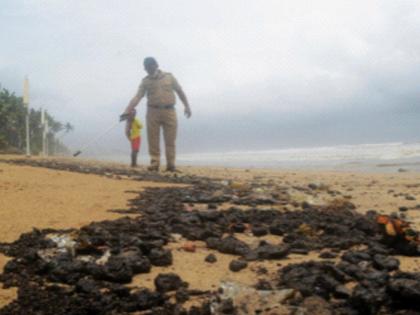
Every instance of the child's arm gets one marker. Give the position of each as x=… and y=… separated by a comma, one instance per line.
x=128, y=129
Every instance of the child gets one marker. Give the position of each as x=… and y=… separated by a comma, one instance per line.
x=133, y=132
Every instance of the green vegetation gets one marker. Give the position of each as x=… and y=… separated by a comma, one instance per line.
x=12, y=127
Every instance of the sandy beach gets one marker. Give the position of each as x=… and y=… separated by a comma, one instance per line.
x=35, y=197
x=41, y=198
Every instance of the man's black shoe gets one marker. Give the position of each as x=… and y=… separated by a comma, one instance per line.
x=153, y=168
x=172, y=169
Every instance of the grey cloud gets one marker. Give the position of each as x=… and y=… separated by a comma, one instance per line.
x=282, y=73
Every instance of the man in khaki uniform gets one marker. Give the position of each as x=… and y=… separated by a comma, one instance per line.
x=159, y=87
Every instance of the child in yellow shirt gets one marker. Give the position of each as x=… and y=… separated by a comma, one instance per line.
x=133, y=133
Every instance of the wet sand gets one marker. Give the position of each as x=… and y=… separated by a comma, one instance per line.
x=384, y=192
x=43, y=198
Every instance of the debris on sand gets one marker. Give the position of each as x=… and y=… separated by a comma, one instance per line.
x=242, y=300
x=86, y=271
x=211, y=258
x=168, y=282
x=237, y=265
x=398, y=234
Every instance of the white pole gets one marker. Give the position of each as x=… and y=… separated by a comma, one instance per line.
x=44, y=150
x=28, y=145
x=26, y=103
x=45, y=136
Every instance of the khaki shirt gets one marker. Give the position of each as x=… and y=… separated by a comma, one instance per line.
x=159, y=89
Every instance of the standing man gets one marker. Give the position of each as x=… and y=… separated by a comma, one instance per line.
x=159, y=87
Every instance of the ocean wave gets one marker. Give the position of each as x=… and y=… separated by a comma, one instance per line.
x=361, y=152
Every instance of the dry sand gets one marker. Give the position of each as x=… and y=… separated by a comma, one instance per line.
x=41, y=198
x=37, y=197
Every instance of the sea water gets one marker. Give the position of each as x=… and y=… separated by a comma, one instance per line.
x=381, y=156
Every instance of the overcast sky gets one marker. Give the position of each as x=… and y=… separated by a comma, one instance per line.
x=258, y=74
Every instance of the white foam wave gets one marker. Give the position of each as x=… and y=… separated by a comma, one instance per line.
x=342, y=153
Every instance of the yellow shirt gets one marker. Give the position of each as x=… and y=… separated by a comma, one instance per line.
x=159, y=89
x=135, y=130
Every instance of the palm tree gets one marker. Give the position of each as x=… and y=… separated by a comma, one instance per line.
x=68, y=127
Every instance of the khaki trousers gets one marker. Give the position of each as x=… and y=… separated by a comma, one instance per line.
x=165, y=118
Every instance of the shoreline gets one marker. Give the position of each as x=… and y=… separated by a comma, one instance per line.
x=410, y=164
x=385, y=192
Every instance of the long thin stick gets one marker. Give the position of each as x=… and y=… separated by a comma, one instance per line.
x=95, y=139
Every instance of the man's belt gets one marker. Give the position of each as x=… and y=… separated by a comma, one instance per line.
x=162, y=106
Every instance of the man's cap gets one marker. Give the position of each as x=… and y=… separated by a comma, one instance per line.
x=150, y=61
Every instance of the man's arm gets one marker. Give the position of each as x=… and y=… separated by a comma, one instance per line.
x=136, y=99
x=180, y=92
x=183, y=98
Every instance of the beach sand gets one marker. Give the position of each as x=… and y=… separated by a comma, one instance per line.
x=40, y=198
x=32, y=197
